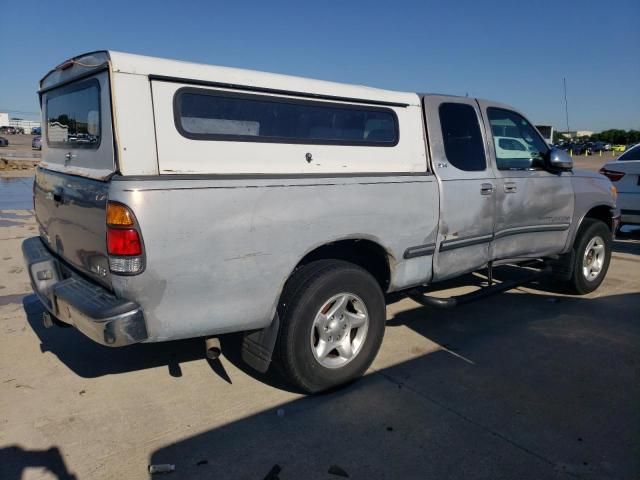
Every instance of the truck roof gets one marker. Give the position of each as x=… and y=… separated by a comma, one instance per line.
x=203, y=73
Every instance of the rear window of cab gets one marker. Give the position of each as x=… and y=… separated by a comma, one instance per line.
x=203, y=114
x=73, y=115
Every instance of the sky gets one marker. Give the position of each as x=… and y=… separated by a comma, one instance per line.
x=509, y=51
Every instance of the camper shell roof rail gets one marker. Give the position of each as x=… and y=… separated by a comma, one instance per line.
x=225, y=77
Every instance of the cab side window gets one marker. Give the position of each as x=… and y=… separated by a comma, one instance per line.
x=463, y=144
x=517, y=143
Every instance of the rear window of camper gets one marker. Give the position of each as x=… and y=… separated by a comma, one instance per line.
x=73, y=115
x=216, y=115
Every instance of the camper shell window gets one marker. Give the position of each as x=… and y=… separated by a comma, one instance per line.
x=203, y=114
x=73, y=115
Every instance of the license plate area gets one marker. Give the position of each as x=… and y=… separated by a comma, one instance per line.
x=45, y=275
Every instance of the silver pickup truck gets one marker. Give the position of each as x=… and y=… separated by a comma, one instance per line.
x=180, y=200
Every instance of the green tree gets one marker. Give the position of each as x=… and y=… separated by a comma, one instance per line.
x=617, y=136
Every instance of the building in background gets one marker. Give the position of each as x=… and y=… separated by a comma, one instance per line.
x=26, y=125
x=547, y=133
x=56, y=132
x=4, y=119
x=577, y=134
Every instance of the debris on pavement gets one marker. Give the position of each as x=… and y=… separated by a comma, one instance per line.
x=162, y=468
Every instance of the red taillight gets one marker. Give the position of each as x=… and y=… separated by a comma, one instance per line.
x=124, y=242
x=611, y=174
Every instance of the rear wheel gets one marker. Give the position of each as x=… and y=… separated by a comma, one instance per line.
x=332, y=317
x=592, y=254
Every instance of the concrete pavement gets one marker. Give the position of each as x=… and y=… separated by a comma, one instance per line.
x=527, y=384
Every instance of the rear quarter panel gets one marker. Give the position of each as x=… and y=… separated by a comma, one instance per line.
x=628, y=186
x=219, y=251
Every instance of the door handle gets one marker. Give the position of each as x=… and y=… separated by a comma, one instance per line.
x=486, y=189
x=510, y=187
x=58, y=196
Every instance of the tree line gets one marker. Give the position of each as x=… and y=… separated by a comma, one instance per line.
x=613, y=136
x=625, y=137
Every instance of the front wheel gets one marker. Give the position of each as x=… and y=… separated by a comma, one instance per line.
x=332, y=317
x=592, y=254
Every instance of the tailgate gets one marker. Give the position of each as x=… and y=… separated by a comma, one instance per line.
x=71, y=214
x=71, y=184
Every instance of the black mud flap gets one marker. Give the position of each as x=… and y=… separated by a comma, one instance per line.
x=258, y=345
x=562, y=267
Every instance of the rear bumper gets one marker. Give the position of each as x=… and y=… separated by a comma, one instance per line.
x=92, y=309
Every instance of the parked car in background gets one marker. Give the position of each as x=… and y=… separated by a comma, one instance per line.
x=599, y=147
x=619, y=148
x=36, y=143
x=624, y=172
x=36, y=131
x=581, y=149
x=8, y=130
x=513, y=149
x=4, y=142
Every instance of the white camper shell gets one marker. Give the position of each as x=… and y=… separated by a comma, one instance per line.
x=141, y=90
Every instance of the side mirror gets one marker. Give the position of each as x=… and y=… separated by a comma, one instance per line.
x=560, y=160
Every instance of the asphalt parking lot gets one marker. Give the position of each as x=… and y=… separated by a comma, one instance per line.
x=19, y=146
x=529, y=384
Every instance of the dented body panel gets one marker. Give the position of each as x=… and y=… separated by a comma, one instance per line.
x=229, y=245
x=590, y=192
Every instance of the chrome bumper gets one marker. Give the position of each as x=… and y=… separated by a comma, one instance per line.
x=92, y=309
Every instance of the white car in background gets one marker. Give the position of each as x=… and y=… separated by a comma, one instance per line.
x=624, y=172
x=512, y=153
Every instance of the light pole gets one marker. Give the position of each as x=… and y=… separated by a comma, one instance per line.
x=566, y=105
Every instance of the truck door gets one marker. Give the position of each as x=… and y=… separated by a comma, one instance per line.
x=467, y=185
x=534, y=206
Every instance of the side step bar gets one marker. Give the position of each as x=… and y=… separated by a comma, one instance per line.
x=492, y=289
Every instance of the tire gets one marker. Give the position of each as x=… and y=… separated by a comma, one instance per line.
x=592, y=254
x=307, y=317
